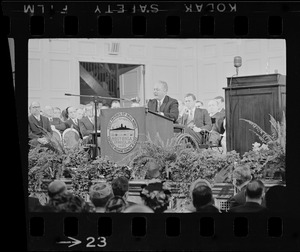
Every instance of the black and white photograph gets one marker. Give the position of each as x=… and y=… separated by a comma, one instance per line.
x=156, y=125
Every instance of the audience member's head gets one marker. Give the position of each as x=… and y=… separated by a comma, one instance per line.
x=115, y=104
x=212, y=107
x=79, y=113
x=35, y=108
x=48, y=111
x=160, y=90
x=72, y=112
x=241, y=176
x=57, y=112
x=202, y=196
x=255, y=191
x=115, y=204
x=88, y=110
x=105, y=105
x=199, y=104
x=221, y=102
x=137, y=208
x=56, y=188
x=134, y=105
x=190, y=100
x=100, y=193
x=156, y=197
x=120, y=186
x=275, y=198
x=198, y=182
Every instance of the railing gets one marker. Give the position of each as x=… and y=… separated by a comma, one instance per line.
x=105, y=76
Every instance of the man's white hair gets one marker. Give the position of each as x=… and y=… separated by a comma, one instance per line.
x=164, y=85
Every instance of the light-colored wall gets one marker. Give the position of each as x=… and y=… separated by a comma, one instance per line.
x=200, y=66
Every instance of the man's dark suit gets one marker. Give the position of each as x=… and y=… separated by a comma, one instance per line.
x=201, y=120
x=33, y=126
x=240, y=199
x=69, y=124
x=86, y=127
x=248, y=207
x=217, y=121
x=169, y=107
x=58, y=123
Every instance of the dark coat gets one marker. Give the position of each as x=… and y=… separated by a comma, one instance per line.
x=217, y=122
x=58, y=123
x=169, y=107
x=86, y=127
x=248, y=207
x=33, y=204
x=240, y=199
x=201, y=119
x=33, y=126
x=69, y=124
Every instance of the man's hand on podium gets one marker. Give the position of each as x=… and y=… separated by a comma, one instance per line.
x=161, y=113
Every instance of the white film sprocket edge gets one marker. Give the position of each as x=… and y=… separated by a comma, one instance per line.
x=193, y=46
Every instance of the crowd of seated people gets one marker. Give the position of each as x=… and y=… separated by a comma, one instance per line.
x=155, y=196
x=82, y=119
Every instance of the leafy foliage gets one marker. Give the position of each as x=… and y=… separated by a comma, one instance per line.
x=278, y=132
x=179, y=163
x=268, y=158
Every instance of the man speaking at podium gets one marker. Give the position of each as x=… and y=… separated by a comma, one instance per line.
x=162, y=103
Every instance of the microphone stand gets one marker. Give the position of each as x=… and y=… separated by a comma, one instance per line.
x=96, y=102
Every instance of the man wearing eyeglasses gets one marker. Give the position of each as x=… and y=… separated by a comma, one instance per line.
x=38, y=125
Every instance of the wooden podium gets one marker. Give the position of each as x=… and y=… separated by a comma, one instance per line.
x=254, y=98
x=124, y=129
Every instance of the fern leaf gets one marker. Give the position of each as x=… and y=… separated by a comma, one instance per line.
x=267, y=138
x=274, y=128
x=259, y=137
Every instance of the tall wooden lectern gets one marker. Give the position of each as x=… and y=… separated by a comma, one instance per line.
x=124, y=129
x=254, y=98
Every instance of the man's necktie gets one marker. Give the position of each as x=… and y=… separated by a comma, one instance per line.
x=158, y=105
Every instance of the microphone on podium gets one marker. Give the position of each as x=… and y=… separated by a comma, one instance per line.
x=237, y=61
x=68, y=94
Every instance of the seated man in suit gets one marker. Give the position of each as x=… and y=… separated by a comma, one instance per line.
x=38, y=125
x=56, y=122
x=86, y=124
x=73, y=122
x=162, y=103
x=221, y=103
x=217, y=119
x=196, y=120
x=254, y=195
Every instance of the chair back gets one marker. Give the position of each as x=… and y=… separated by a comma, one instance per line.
x=57, y=135
x=70, y=138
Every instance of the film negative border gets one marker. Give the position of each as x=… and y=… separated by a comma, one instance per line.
x=26, y=20
x=149, y=19
x=159, y=232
